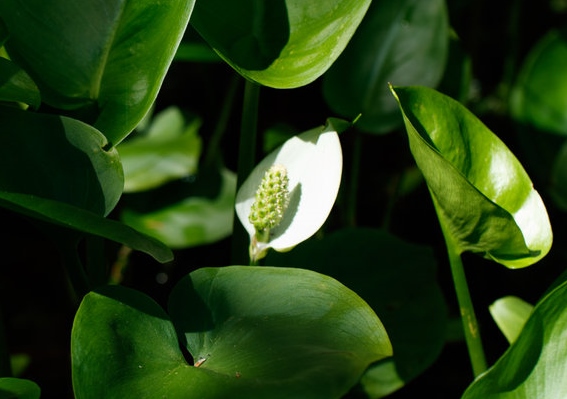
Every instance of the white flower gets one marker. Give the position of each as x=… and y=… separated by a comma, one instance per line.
x=312, y=165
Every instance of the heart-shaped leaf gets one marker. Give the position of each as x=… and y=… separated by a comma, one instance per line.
x=249, y=338
x=58, y=158
x=243, y=321
x=107, y=58
x=534, y=366
x=402, y=41
x=16, y=85
x=484, y=199
x=280, y=43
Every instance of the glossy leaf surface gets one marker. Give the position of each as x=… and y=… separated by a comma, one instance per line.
x=484, y=199
x=398, y=280
x=106, y=57
x=280, y=43
x=404, y=42
x=16, y=85
x=534, y=366
x=539, y=97
x=168, y=150
x=82, y=221
x=58, y=158
x=510, y=313
x=242, y=328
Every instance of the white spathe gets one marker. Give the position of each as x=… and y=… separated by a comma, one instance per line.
x=314, y=163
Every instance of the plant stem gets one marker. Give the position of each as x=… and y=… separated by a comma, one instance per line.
x=468, y=317
x=352, y=195
x=75, y=270
x=222, y=122
x=246, y=162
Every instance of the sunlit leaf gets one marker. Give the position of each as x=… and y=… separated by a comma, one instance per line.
x=280, y=43
x=169, y=150
x=484, y=199
x=401, y=41
x=106, y=58
x=246, y=336
x=510, y=313
x=534, y=365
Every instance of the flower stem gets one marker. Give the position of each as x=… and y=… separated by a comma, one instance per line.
x=246, y=162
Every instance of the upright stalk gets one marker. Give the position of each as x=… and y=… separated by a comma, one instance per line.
x=468, y=317
x=352, y=195
x=74, y=267
x=246, y=162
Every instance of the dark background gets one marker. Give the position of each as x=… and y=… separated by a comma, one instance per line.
x=38, y=305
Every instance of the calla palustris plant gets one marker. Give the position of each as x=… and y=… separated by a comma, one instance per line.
x=290, y=193
x=484, y=199
x=249, y=332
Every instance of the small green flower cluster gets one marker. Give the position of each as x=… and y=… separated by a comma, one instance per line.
x=271, y=201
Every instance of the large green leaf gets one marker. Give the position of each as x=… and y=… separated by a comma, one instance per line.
x=539, y=96
x=81, y=221
x=484, y=199
x=279, y=43
x=534, y=366
x=16, y=85
x=253, y=332
x=401, y=41
x=398, y=280
x=107, y=57
x=58, y=158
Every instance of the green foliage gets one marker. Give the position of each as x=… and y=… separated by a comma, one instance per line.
x=398, y=41
x=147, y=195
x=18, y=388
x=103, y=60
x=245, y=335
x=524, y=370
x=287, y=44
x=398, y=280
x=484, y=199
